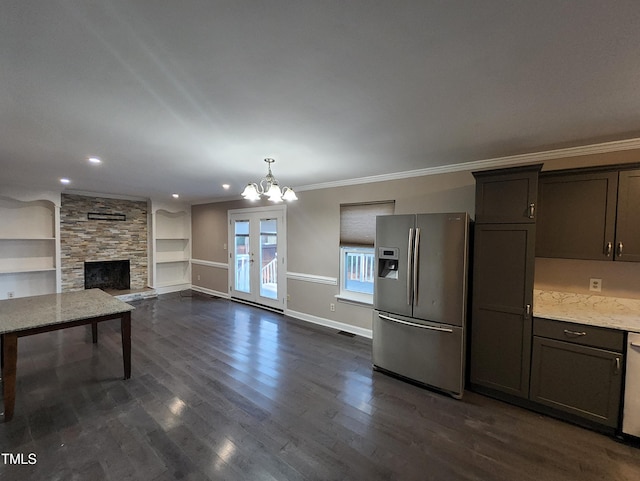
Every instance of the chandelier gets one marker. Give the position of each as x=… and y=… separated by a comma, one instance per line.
x=268, y=186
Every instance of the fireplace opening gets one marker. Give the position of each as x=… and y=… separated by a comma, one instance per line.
x=107, y=275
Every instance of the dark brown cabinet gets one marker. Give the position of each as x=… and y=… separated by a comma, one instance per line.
x=577, y=369
x=507, y=195
x=628, y=218
x=503, y=264
x=589, y=215
x=501, y=310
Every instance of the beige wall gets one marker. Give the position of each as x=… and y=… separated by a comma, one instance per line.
x=619, y=279
x=313, y=224
x=313, y=237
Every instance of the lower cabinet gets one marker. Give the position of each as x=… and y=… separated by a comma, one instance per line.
x=577, y=369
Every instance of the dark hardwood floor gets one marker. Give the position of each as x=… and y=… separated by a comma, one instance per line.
x=225, y=391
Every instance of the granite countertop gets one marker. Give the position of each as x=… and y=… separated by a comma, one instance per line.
x=28, y=312
x=610, y=312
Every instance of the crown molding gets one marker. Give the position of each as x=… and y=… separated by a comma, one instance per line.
x=512, y=160
x=103, y=195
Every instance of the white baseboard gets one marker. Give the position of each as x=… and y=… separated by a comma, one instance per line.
x=341, y=326
x=175, y=288
x=211, y=292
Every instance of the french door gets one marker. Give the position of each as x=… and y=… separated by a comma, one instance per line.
x=257, y=246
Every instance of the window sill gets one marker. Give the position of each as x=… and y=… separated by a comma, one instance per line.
x=356, y=301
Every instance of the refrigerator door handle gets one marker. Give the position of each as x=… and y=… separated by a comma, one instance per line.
x=416, y=263
x=409, y=263
x=412, y=324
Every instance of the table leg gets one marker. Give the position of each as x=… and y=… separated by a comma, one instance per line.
x=9, y=361
x=94, y=332
x=125, y=327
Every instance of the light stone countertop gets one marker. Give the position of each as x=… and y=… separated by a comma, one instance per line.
x=611, y=312
x=28, y=312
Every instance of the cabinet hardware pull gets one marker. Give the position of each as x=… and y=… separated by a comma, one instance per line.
x=416, y=264
x=619, y=253
x=527, y=309
x=413, y=324
x=607, y=248
x=574, y=333
x=617, y=365
x=635, y=344
x=532, y=210
x=409, y=259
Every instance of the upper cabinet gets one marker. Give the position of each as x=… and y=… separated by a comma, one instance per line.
x=628, y=218
x=507, y=196
x=589, y=215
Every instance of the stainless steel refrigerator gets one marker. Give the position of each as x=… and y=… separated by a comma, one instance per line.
x=420, y=298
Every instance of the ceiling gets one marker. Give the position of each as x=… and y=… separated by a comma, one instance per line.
x=185, y=96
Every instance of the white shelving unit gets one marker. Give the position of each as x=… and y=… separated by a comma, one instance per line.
x=171, y=250
x=29, y=248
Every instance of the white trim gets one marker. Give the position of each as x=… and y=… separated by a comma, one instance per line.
x=340, y=326
x=533, y=157
x=298, y=276
x=211, y=292
x=172, y=288
x=361, y=302
x=201, y=262
x=104, y=195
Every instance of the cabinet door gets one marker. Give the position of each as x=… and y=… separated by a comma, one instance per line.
x=627, y=246
x=507, y=195
x=576, y=216
x=500, y=319
x=580, y=380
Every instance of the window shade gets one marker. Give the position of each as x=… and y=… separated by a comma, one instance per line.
x=358, y=222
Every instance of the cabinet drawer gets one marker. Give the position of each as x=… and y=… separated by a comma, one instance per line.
x=579, y=334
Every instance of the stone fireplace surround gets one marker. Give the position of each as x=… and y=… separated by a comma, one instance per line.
x=102, y=238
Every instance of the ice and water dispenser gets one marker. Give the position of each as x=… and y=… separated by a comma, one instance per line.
x=388, y=262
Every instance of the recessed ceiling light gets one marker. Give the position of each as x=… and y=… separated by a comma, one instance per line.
x=65, y=181
x=94, y=160
x=225, y=186
x=175, y=196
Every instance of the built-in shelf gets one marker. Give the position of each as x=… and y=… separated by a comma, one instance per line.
x=27, y=239
x=171, y=249
x=29, y=250
x=24, y=271
x=171, y=261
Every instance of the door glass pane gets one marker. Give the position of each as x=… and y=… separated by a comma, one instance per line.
x=241, y=253
x=269, y=258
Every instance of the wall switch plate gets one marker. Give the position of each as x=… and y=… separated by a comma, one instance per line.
x=595, y=285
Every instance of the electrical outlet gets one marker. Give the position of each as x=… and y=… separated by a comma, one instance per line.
x=10, y=295
x=332, y=307
x=595, y=285
x=198, y=276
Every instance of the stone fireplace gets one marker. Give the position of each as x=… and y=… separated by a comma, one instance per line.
x=101, y=230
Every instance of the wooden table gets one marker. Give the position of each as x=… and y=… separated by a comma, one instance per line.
x=32, y=315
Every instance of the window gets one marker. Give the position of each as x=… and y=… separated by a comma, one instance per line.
x=357, y=254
